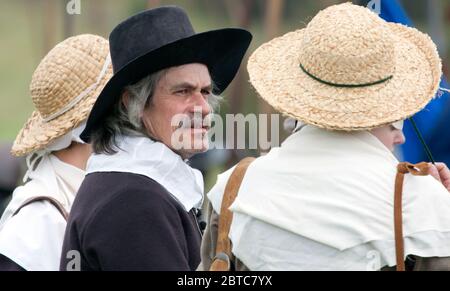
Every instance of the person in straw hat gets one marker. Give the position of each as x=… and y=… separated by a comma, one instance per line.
x=137, y=207
x=324, y=200
x=63, y=88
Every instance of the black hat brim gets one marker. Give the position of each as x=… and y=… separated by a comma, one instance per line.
x=221, y=51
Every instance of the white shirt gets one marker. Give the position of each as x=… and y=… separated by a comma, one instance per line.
x=33, y=237
x=324, y=201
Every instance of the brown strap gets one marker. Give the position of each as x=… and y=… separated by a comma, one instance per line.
x=422, y=169
x=221, y=261
x=53, y=201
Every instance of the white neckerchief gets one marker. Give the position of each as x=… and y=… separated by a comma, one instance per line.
x=39, y=248
x=142, y=156
x=337, y=189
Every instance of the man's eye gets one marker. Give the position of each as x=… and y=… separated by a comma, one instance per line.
x=183, y=92
x=206, y=92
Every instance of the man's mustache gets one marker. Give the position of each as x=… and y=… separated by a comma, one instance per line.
x=195, y=122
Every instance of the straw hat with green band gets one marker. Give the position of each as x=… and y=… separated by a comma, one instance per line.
x=348, y=70
x=64, y=87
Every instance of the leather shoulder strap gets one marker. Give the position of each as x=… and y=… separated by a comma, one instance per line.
x=53, y=201
x=421, y=169
x=221, y=261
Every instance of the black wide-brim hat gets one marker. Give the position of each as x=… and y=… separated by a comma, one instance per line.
x=161, y=38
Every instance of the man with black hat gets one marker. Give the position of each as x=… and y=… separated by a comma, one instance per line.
x=136, y=209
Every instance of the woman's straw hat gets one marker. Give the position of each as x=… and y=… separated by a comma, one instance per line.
x=64, y=88
x=348, y=70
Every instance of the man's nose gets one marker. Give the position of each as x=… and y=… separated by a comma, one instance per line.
x=200, y=104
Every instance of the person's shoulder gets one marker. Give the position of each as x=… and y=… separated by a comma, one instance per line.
x=118, y=179
x=38, y=225
x=41, y=213
x=129, y=191
x=122, y=183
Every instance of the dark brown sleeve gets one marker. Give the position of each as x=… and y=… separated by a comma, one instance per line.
x=209, y=243
x=8, y=265
x=432, y=264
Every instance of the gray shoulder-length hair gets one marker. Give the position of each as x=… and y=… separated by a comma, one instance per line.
x=127, y=120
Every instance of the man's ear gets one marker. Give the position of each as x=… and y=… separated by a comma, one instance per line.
x=125, y=98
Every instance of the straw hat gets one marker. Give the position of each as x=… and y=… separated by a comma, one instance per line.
x=348, y=70
x=64, y=88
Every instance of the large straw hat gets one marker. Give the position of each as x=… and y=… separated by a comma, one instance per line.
x=348, y=70
x=64, y=88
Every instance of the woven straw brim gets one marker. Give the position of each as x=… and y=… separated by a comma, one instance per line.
x=275, y=73
x=37, y=134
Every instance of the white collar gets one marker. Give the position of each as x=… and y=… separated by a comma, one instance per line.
x=69, y=177
x=142, y=156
